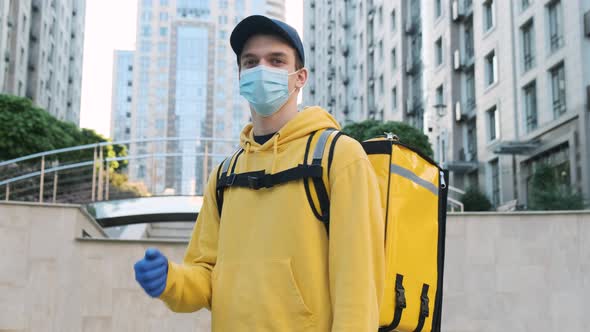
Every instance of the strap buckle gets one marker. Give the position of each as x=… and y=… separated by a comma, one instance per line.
x=424, y=306
x=256, y=182
x=230, y=180
x=400, y=297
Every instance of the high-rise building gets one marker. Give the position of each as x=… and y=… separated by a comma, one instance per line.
x=498, y=86
x=185, y=85
x=41, y=44
x=122, y=96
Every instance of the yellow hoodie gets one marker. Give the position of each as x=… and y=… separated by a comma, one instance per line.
x=267, y=264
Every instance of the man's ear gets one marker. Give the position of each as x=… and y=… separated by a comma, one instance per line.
x=302, y=76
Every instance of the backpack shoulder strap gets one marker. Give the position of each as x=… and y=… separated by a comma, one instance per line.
x=222, y=176
x=320, y=187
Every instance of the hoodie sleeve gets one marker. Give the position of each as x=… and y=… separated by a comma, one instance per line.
x=188, y=287
x=356, y=249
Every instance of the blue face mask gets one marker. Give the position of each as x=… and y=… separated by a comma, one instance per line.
x=266, y=89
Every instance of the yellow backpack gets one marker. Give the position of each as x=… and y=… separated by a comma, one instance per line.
x=414, y=190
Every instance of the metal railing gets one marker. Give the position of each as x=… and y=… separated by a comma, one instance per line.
x=49, y=175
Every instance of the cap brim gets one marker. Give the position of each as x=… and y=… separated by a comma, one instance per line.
x=252, y=25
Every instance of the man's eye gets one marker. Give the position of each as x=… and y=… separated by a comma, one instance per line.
x=249, y=63
x=277, y=62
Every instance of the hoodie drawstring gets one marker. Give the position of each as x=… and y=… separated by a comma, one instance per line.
x=275, y=146
x=247, y=154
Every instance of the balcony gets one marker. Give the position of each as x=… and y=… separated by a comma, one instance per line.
x=412, y=27
x=517, y=147
x=413, y=106
x=413, y=66
x=465, y=111
x=463, y=60
x=466, y=163
x=461, y=9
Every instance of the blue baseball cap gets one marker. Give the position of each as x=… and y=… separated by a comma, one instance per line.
x=258, y=24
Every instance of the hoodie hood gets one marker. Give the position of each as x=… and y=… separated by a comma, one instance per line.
x=307, y=121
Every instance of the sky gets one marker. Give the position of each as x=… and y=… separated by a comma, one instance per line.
x=110, y=26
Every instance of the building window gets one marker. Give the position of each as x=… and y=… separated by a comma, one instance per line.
x=469, y=51
x=222, y=19
x=471, y=140
x=381, y=85
x=380, y=16
x=162, y=46
x=393, y=20
x=393, y=60
x=394, y=99
x=530, y=106
x=524, y=4
x=488, y=15
x=128, y=99
x=470, y=89
x=438, y=52
x=146, y=31
x=528, y=45
x=163, y=17
x=130, y=68
x=493, y=127
x=437, y=8
x=440, y=98
x=144, y=63
x=558, y=90
x=163, y=31
x=495, y=179
x=222, y=35
x=162, y=62
x=491, y=63
x=146, y=46
x=129, y=83
x=555, y=25
x=223, y=4
x=146, y=16
x=381, y=50
x=164, y=3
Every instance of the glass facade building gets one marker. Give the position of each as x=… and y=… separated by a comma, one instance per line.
x=185, y=87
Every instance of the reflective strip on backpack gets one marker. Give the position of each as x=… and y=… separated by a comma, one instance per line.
x=406, y=173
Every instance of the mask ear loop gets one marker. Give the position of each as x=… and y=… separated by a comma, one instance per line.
x=304, y=84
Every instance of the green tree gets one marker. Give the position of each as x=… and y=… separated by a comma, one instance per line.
x=407, y=134
x=549, y=192
x=475, y=200
x=26, y=129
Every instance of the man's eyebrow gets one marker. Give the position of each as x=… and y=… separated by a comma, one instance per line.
x=248, y=55
x=278, y=54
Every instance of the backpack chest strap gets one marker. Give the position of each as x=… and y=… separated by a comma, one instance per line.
x=259, y=179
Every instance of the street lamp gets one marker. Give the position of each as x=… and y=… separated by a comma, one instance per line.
x=441, y=111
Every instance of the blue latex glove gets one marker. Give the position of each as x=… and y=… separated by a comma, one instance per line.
x=151, y=272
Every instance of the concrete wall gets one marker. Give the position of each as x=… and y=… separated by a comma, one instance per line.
x=517, y=272
x=51, y=280
x=504, y=272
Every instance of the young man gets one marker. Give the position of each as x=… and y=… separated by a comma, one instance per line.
x=267, y=263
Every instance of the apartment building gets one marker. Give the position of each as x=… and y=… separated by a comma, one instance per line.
x=41, y=42
x=498, y=86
